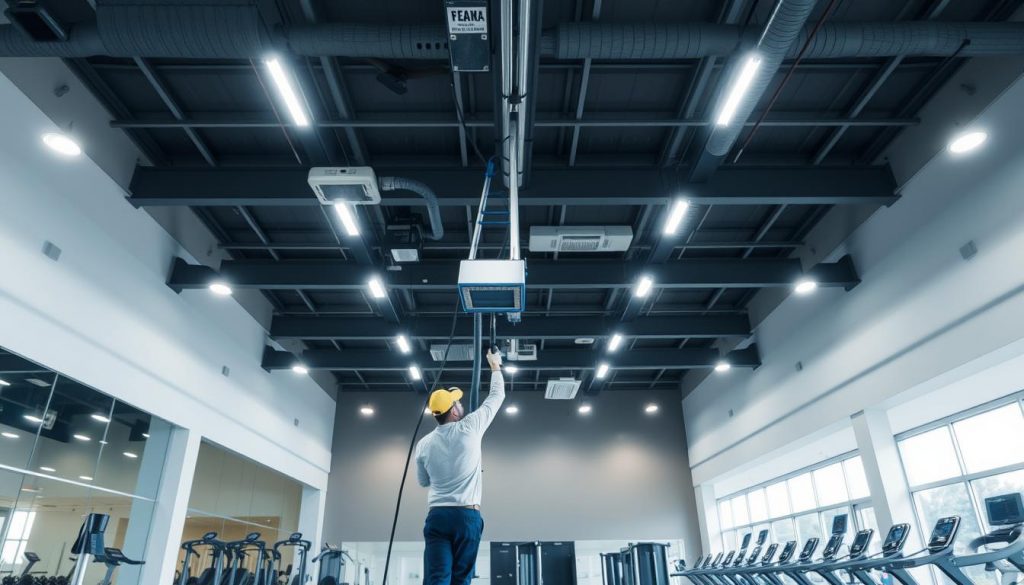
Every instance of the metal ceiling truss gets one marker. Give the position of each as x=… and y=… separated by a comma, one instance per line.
x=200, y=187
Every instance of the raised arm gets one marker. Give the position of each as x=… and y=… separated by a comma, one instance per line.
x=479, y=420
x=421, y=469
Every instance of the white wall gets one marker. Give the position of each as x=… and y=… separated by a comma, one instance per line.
x=549, y=474
x=103, y=315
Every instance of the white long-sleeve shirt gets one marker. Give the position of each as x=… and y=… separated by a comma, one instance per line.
x=448, y=459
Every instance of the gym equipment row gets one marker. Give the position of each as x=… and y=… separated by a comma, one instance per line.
x=642, y=563
x=251, y=561
x=1005, y=515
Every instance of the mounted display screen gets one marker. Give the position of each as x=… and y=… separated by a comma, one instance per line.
x=944, y=533
x=839, y=524
x=787, y=551
x=746, y=541
x=769, y=553
x=832, y=546
x=896, y=538
x=754, y=553
x=809, y=547
x=718, y=559
x=728, y=557
x=762, y=537
x=860, y=542
x=1005, y=510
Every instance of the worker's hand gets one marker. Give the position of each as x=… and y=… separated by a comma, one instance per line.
x=494, y=359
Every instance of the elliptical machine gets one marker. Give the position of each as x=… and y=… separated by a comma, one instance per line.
x=302, y=548
x=332, y=565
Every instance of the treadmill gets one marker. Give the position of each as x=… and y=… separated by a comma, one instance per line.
x=710, y=576
x=1006, y=516
x=858, y=565
x=738, y=574
x=786, y=565
x=828, y=556
x=793, y=569
x=858, y=552
x=701, y=564
x=767, y=570
x=754, y=568
x=940, y=547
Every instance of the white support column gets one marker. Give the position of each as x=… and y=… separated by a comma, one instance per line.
x=890, y=494
x=311, y=517
x=167, y=515
x=707, y=518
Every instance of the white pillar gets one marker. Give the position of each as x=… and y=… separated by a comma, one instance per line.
x=167, y=515
x=311, y=520
x=890, y=494
x=707, y=518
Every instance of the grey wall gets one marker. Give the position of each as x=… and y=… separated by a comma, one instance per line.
x=549, y=473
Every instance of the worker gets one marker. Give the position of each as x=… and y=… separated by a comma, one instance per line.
x=448, y=462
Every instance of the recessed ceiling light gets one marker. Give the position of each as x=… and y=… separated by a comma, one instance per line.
x=130, y=455
x=4, y=382
x=33, y=419
x=583, y=341
x=366, y=410
x=651, y=408
x=511, y=369
x=84, y=478
x=643, y=287
x=723, y=366
x=739, y=88
x=967, y=141
x=414, y=373
x=427, y=411
x=602, y=371
x=585, y=409
x=300, y=369
x=145, y=435
x=102, y=442
x=403, y=344
x=9, y=435
x=62, y=143
x=512, y=409
x=347, y=217
x=805, y=286
x=48, y=469
x=38, y=382
x=614, y=342
x=100, y=418
x=286, y=89
x=82, y=438
x=31, y=490
x=675, y=216
x=376, y=288
x=220, y=289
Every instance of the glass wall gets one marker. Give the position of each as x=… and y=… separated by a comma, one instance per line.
x=800, y=505
x=67, y=450
x=235, y=496
x=953, y=464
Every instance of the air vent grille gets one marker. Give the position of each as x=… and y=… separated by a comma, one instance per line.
x=562, y=389
x=460, y=352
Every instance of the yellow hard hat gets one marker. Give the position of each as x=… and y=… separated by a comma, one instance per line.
x=441, y=401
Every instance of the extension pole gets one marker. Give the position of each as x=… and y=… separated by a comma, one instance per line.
x=474, y=389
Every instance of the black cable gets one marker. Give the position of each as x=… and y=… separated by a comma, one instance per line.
x=415, y=434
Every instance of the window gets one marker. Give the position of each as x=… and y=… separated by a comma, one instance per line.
x=991, y=439
x=957, y=462
x=929, y=457
x=831, y=485
x=801, y=492
x=758, y=506
x=778, y=499
x=13, y=552
x=797, y=506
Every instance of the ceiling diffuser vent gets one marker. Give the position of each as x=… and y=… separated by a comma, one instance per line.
x=562, y=389
x=611, y=238
x=459, y=352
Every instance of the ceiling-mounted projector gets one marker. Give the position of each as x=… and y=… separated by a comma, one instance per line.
x=352, y=185
x=492, y=286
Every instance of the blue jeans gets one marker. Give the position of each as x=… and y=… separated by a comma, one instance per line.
x=452, y=538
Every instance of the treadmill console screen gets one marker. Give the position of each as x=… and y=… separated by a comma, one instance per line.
x=762, y=537
x=746, y=541
x=769, y=553
x=809, y=547
x=860, y=542
x=754, y=553
x=787, y=551
x=896, y=538
x=832, y=546
x=728, y=558
x=1005, y=510
x=31, y=557
x=718, y=559
x=944, y=533
x=839, y=524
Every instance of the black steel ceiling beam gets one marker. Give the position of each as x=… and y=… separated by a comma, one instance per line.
x=367, y=329
x=12, y=364
x=595, y=186
x=544, y=120
x=572, y=359
x=684, y=274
